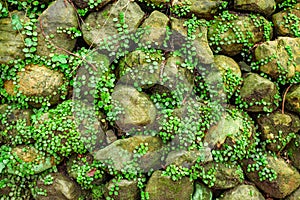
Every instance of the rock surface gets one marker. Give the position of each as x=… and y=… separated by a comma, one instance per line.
x=201, y=192
x=242, y=192
x=294, y=152
x=126, y=190
x=264, y=7
x=164, y=188
x=293, y=99
x=59, y=14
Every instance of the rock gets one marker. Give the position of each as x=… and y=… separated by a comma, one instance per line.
x=203, y=51
x=276, y=128
x=285, y=21
x=187, y=159
x=279, y=57
x=202, y=9
x=259, y=93
x=294, y=152
x=294, y=196
x=127, y=189
x=106, y=20
x=156, y=24
x=138, y=110
x=30, y=155
x=11, y=41
x=62, y=188
x=121, y=153
x=36, y=82
x=233, y=126
x=162, y=187
x=59, y=14
x=243, y=191
x=110, y=136
x=201, y=192
x=263, y=7
x=293, y=99
x=225, y=175
x=288, y=178
x=236, y=31
x=82, y=4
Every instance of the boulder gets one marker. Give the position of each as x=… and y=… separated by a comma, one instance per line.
x=38, y=82
x=293, y=151
x=286, y=181
x=294, y=196
x=293, y=99
x=201, y=192
x=59, y=14
x=160, y=187
x=127, y=189
x=103, y=24
x=279, y=58
x=243, y=191
x=285, y=22
x=259, y=93
x=11, y=41
x=237, y=32
x=257, y=6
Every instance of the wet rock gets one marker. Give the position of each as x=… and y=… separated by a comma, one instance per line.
x=277, y=128
x=228, y=40
x=203, y=51
x=284, y=21
x=279, y=57
x=122, y=153
x=225, y=175
x=38, y=82
x=156, y=25
x=263, y=7
x=32, y=156
x=288, y=178
x=293, y=151
x=106, y=20
x=202, y=9
x=164, y=188
x=187, y=159
x=127, y=189
x=259, y=93
x=61, y=188
x=231, y=128
x=242, y=192
x=59, y=14
x=293, y=99
x=138, y=110
x=11, y=41
x=201, y=192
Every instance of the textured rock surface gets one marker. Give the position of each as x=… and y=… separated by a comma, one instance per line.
x=280, y=57
x=164, y=188
x=38, y=81
x=105, y=21
x=240, y=192
x=59, y=14
x=127, y=190
x=288, y=178
x=264, y=7
x=258, y=89
x=294, y=152
x=201, y=192
x=293, y=99
x=11, y=41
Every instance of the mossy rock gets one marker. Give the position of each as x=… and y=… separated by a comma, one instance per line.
x=294, y=152
x=242, y=192
x=257, y=6
x=127, y=189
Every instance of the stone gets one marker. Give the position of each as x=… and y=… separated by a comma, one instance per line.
x=202, y=192
x=294, y=196
x=59, y=14
x=258, y=89
x=287, y=181
x=293, y=151
x=277, y=128
x=279, y=57
x=161, y=187
x=138, y=109
x=121, y=153
x=285, y=21
x=127, y=190
x=263, y=7
x=11, y=41
x=293, y=99
x=100, y=25
x=242, y=192
x=156, y=25
x=228, y=40
x=62, y=188
x=36, y=82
